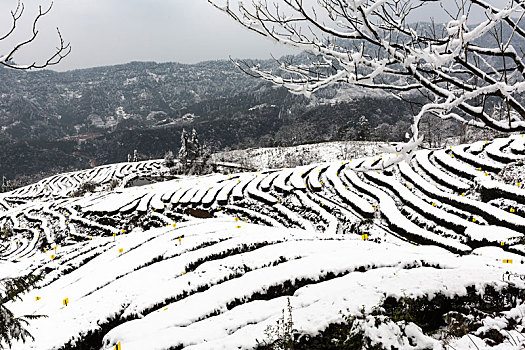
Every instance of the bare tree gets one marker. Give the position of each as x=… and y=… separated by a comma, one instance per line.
x=61, y=51
x=12, y=328
x=472, y=73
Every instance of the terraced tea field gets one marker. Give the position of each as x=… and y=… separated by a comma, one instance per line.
x=209, y=262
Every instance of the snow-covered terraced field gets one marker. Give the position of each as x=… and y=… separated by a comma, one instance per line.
x=208, y=262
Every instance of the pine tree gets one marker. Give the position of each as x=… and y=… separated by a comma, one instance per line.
x=4, y=186
x=169, y=159
x=363, y=129
x=183, y=151
x=135, y=156
x=195, y=148
x=12, y=327
x=206, y=158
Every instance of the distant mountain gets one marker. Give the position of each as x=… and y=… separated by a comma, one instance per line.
x=51, y=121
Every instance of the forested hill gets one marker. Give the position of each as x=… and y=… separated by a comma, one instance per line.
x=52, y=121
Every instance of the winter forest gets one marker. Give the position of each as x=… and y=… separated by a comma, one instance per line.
x=363, y=190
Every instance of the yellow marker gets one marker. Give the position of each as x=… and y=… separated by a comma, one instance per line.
x=486, y=174
x=73, y=237
x=473, y=219
x=45, y=250
x=123, y=230
x=65, y=301
x=238, y=226
x=236, y=219
x=118, y=347
x=90, y=238
x=518, y=184
x=165, y=308
x=433, y=204
x=512, y=210
x=479, y=169
x=180, y=239
x=174, y=225
x=37, y=298
x=502, y=244
x=55, y=247
x=452, y=155
x=114, y=234
x=507, y=261
x=365, y=236
x=121, y=250
x=374, y=208
x=463, y=194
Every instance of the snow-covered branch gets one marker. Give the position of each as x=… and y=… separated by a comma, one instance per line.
x=466, y=71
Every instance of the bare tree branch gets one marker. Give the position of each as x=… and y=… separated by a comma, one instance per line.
x=61, y=51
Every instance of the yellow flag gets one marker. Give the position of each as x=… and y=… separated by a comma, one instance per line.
x=121, y=250
x=65, y=301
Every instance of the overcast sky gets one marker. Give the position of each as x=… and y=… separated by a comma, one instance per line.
x=106, y=32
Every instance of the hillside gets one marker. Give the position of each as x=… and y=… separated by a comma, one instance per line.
x=60, y=121
x=426, y=255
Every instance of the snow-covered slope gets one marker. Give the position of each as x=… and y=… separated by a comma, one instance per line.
x=208, y=262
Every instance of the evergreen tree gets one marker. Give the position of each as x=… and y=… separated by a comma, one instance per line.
x=194, y=149
x=169, y=159
x=5, y=185
x=362, y=129
x=183, y=151
x=135, y=156
x=129, y=158
x=206, y=158
x=12, y=327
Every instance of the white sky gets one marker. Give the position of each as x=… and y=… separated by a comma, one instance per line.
x=105, y=32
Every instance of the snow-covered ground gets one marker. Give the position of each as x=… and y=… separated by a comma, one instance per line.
x=279, y=157
x=210, y=262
